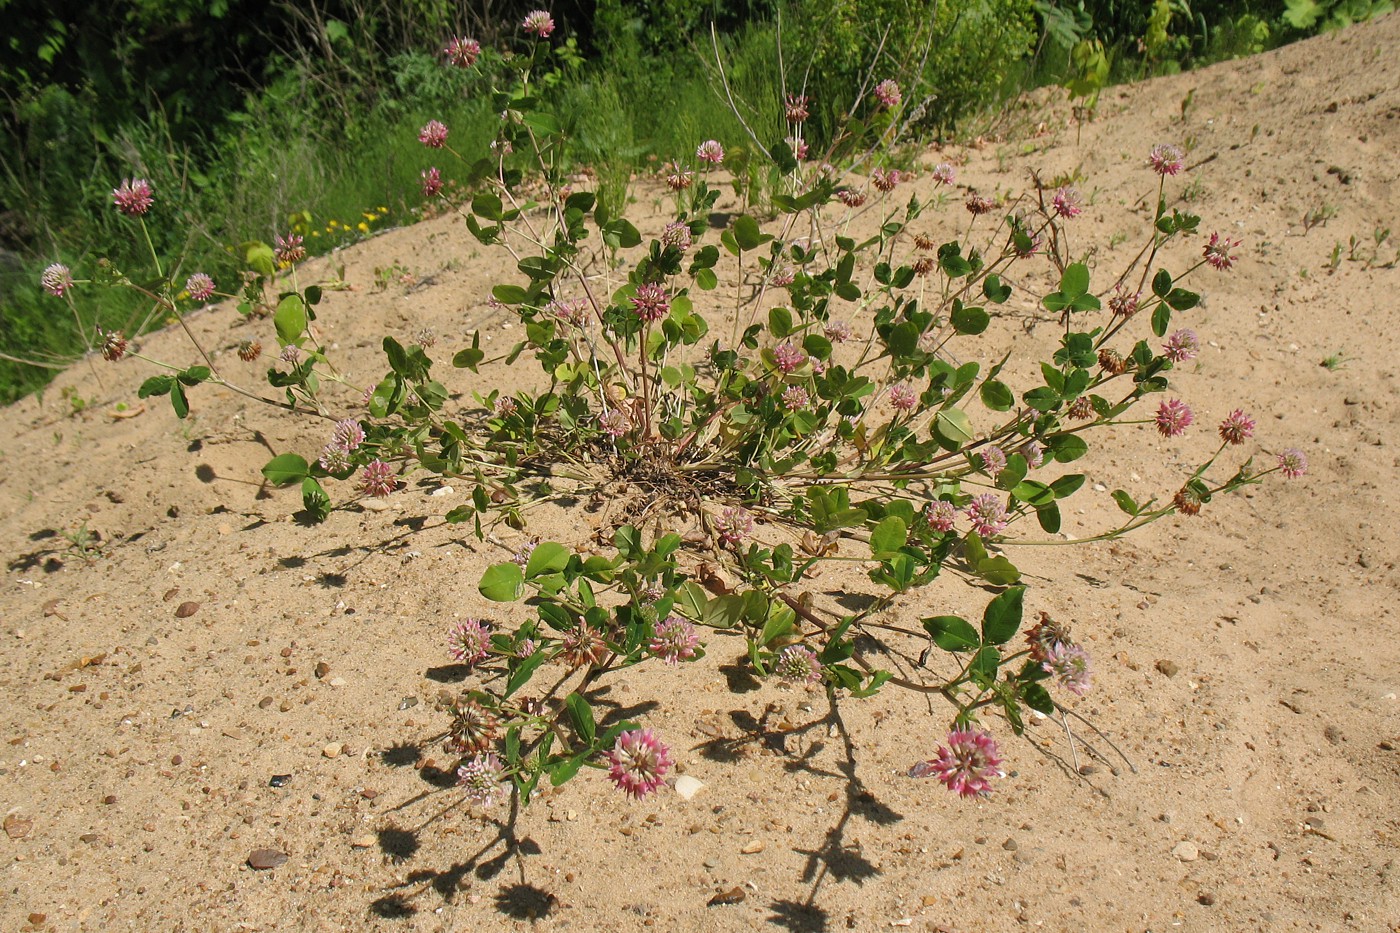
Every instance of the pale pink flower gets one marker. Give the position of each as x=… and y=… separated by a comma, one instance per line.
x=798, y=664
x=1069, y=664
x=798, y=145
x=1173, y=417
x=967, y=765
x=483, y=779
x=200, y=286
x=903, y=397
x=943, y=173
x=348, y=434
x=1237, y=427
x=710, y=151
x=837, y=331
x=570, y=310
x=56, y=279
x=676, y=236
x=733, y=525
x=291, y=354
x=993, y=461
x=987, y=514
x=1293, y=463
x=795, y=398
x=433, y=134
x=378, y=479
x=781, y=275
x=334, y=458
x=462, y=52
x=1034, y=454
x=674, y=639
x=468, y=641
x=505, y=406
x=887, y=92
x=539, y=23
x=788, y=357
x=133, y=197
x=615, y=422
x=940, y=514
x=1067, y=203
x=432, y=182
x=638, y=763
x=1181, y=345
x=1166, y=159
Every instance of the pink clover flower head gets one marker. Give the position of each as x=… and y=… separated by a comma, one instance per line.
x=522, y=555
x=638, y=763
x=678, y=178
x=1181, y=345
x=538, y=23
x=583, y=646
x=977, y=205
x=987, y=514
x=799, y=147
x=56, y=279
x=710, y=151
x=1166, y=159
x=526, y=648
x=432, y=182
x=378, y=479
x=1217, y=252
x=348, y=435
x=887, y=92
x=885, y=180
x=788, y=357
x=795, y=398
x=674, y=639
x=651, y=302
x=291, y=354
x=482, y=778
x=796, y=108
x=993, y=461
x=944, y=174
x=133, y=197
x=967, y=765
x=837, y=331
x=1173, y=417
x=462, y=52
x=676, y=236
x=1069, y=665
x=903, y=397
x=334, y=458
x=781, y=275
x=1236, y=428
x=850, y=197
x=1067, y=202
x=940, y=515
x=1034, y=454
x=733, y=525
x=468, y=641
x=200, y=286
x=1123, y=302
x=113, y=345
x=505, y=406
x=570, y=310
x=798, y=664
x=433, y=134
x=289, y=249
x=615, y=422
x=1293, y=463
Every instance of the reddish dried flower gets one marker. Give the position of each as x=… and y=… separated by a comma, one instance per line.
x=378, y=479
x=967, y=765
x=249, y=350
x=539, y=23
x=473, y=728
x=1045, y=635
x=432, y=182
x=1123, y=302
x=582, y=646
x=677, y=178
x=850, y=197
x=885, y=180
x=651, y=302
x=462, y=52
x=1082, y=408
x=200, y=286
x=710, y=151
x=1237, y=427
x=887, y=92
x=56, y=279
x=638, y=763
x=798, y=145
x=924, y=265
x=796, y=108
x=289, y=249
x=1112, y=361
x=433, y=134
x=977, y=205
x=1166, y=159
x=1173, y=417
x=133, y=197
x=1187, y=500
x=113, y=345
x=1217, y=252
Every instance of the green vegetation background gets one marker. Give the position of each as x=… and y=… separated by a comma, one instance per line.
x=253, y=118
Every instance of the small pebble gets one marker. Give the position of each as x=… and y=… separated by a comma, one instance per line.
x=687, y=786
x=363, y=841
x=186, y=609
x=279, y=780
x=753, y=848
x=734, y=895
x=1169, y=668
x=264, y=859
x=332, y=750
x=408, y=703
x=1186, y=851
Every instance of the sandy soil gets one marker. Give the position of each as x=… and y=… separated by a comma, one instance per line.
x=1247, y=659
